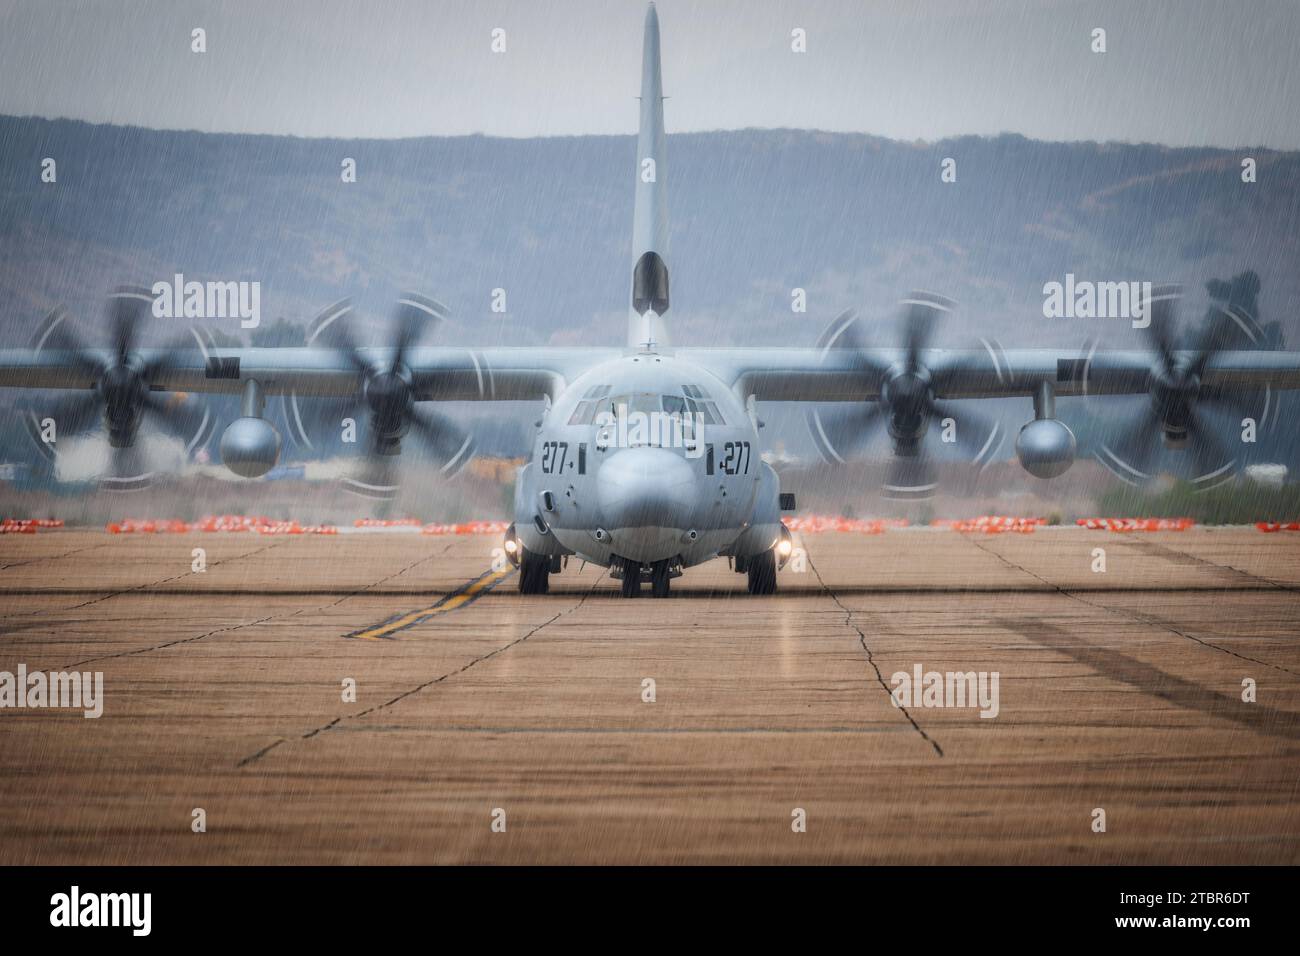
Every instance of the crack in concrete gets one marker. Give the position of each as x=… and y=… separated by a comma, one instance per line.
x=150, y=584
x=53, y=557
x=273, y=617
x=253, y=758
x=880, y=678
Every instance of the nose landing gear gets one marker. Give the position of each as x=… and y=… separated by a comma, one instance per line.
x=631, y=577
x=659, y=579
x=632, y=573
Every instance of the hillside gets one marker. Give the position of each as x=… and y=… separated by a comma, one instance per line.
x=853, y=219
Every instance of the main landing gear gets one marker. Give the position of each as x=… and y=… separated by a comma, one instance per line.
x=535, y=571
x=761, y=569
x=762, y=573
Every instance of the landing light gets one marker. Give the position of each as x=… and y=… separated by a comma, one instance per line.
x=512, y=546
x=784, y=548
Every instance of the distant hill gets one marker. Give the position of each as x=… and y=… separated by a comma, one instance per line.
x=855, y=220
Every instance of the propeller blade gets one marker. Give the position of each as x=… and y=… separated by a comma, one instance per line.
x=1243, y=402
x=387, y=396
x=843, y=333
x=57, y=333
x=414, y=314
x=921, y=313
x=1213, y=462
x=848, y=333
x=127, y=471
x=376, y=480
x=311, y=421
x=910, y=478
x=128, y=308
x=448, y=445
x=976, y=435
x=1230, y=327
x=193, y=338
x=1129, y=455
x=1162, y=329
x=841, y=433
x=332, y=328
x=1208, y=341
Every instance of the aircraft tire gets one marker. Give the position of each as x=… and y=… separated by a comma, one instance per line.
x=762, y=573
x=534, y=572
x=631, y=579
x=659, y=580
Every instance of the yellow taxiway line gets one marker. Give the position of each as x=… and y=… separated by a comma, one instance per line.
x=466, y=594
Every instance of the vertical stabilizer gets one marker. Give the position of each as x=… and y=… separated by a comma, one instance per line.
x=646, y=325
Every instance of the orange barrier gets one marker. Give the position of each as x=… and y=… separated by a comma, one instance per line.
x=237, y=524
x=27, y=525
x=990, y=524
x=1272, y=526
x=211, y=523
x=293, y=527
x=467, y=527
x=148, y=526
x=818, y=524
x=231, y=523
x=1124, y=525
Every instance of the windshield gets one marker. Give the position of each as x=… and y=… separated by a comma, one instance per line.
x=693, y=401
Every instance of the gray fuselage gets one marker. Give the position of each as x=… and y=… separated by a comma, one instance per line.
x=647, y=458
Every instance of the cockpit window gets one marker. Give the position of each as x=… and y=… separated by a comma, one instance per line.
x=698, y=402
x=585, y=412
x=693, y=401
x=674, y=404
x=643, y=402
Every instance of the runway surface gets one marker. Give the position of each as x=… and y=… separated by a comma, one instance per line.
x=223, y=690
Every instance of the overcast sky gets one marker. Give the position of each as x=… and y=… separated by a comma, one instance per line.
x=1185, y=72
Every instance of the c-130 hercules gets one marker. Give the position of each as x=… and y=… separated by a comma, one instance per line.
x=647, y=458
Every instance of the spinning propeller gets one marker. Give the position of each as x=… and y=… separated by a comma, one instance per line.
x=906, y=406
x=388, y=397
x=1176, y=390
x=121, y=396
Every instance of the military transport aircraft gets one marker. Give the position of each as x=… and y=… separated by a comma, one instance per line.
x=647, y=458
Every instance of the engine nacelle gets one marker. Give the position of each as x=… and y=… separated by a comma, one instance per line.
x=1046, y=448
x=250, y=447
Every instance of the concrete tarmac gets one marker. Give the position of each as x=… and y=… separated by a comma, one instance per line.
x=1118, y=691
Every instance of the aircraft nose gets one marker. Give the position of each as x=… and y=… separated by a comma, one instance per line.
x=646, y=488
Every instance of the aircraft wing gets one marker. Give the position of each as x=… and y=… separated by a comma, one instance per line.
x=840, y=375
x=444, y=374
x=769, y=374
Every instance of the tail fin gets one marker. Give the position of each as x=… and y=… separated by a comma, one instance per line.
x=646, y=327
